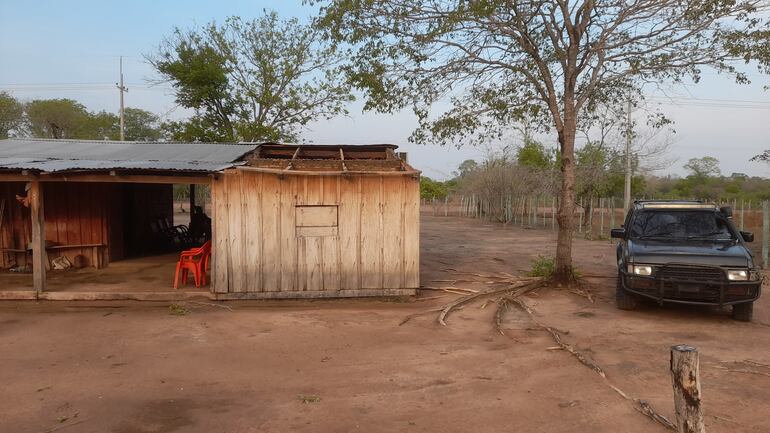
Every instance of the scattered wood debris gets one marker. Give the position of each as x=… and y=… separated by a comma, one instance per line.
x=523, y=287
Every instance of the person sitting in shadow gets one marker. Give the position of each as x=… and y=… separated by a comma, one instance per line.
x=200, y=225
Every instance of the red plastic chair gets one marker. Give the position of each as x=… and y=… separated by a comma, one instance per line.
x=194, y=260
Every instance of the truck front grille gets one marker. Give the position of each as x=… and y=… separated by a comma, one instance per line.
x=691, y=282
x=695, y=274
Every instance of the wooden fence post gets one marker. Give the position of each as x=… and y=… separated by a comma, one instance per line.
x=685, y=380
x=602, y=203
x=553, y=213
x=765, y=232
x=580, y=217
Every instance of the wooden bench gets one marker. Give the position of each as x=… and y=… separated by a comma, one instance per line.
x=96, y=252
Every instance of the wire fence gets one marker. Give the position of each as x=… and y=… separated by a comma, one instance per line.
x=593, y=217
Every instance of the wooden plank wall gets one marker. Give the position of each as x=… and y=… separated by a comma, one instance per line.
x=16, y=229
x=87, y=213
x=257, y=247
x=75, y=214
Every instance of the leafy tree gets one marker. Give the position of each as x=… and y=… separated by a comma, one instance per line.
x=141, y=125
x=56, y=118
x=534, y=155
x=252, y=80
x=196, y=128
x=11, y=114
x=99, y=126
x=548, y=61
x=467, y=167
x=432, y=189
x=700, y=168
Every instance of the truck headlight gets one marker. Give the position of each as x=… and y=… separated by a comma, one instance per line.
x=738, y=275
x=642, y=270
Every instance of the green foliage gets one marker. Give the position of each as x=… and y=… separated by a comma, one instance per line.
x=57, y=118
x=467, y=167
x=11, y=114
x=534, y=155
x=178, y=310
x=741, y=188
x=141, y=125
x=195, y=129
x=259, y=80
x=543, y=266
x=67, y=118
x=704, y=167
x=433, y=189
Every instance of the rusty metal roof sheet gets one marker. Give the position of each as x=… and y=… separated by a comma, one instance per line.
x=52, y=156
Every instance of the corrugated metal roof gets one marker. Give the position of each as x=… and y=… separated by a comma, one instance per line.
x=69, y=155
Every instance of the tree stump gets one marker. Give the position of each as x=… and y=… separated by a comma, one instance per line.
x=687, y=399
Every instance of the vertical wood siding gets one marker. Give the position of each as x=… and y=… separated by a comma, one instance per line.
x=257, y=247
x=87, y=213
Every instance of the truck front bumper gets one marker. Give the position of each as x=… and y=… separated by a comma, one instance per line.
x=686, y=291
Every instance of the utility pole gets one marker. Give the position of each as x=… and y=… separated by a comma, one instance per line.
x=627, y=193
x=122, y=89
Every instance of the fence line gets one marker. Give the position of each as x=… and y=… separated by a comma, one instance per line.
x=593, y=216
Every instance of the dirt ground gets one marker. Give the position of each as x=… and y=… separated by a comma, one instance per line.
x=145, y=274
x=347, y=366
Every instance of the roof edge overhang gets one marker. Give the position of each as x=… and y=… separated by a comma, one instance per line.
x=112, y=176
x=281, y=172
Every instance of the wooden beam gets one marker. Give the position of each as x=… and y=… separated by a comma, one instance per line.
x=293, y=158
x=192, y=198
x=342, y=159
x=14, y=177
x=135, y=178
x=35, y=194
x=106, y=178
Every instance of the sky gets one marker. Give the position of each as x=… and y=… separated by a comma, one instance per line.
x=71, y=49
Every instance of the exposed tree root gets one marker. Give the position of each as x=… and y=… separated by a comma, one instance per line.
x=421, y=313
x=502, y=307
x=523, y=287
x=641, y=406
x=557, y=338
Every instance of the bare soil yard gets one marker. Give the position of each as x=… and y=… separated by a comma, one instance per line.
x=347, y=366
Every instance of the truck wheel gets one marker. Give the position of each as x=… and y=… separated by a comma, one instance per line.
x=624, y=299
x=743, y=312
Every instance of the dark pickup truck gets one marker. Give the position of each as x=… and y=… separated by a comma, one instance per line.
x=685, y=252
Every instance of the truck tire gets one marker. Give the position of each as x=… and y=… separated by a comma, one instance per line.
x=624, y=299
x=743, y=312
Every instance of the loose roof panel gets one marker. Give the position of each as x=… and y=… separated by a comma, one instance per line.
x=54, y=156
x=328, y=159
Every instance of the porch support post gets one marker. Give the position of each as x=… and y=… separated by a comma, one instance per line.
x=192, y=198
x=38, y=236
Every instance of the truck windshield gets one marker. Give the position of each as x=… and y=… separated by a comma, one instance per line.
x=707, y=225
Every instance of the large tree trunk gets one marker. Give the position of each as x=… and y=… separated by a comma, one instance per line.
x=567, y=206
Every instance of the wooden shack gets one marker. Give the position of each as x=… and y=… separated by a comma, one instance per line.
x=288, y=221
x=317, y=221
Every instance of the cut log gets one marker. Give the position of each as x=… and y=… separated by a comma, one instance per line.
x=687, y=397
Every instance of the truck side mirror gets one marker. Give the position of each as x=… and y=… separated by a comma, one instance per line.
x=727, y=211
x=747, y=236
x=618, y=233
